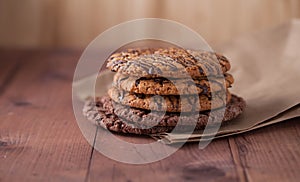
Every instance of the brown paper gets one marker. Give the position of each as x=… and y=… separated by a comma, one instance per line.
x=168, y=138
x=265, y=66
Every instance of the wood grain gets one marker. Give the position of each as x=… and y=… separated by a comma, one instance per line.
x=39, y=137
x=74, y=23
x=8, y=66
x=271, y=153
x=187, y=164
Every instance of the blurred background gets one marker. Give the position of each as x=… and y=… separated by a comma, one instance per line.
x=74, y=23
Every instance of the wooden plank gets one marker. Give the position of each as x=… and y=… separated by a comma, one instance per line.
x=236, y=159
x=39, y=137
x=271, y=153
x=187, y=164
x=9, y=65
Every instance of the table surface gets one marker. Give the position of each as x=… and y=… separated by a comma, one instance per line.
x=41, y=141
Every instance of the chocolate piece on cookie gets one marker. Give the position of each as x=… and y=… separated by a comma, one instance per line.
x=170, y=103
x=124, y=119
x=164, y=86
x=170, y=62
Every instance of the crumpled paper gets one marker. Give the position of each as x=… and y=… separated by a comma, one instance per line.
x=266, y=68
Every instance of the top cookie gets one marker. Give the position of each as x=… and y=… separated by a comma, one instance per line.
x=169, y=62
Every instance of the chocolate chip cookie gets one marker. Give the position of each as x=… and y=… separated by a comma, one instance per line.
x=118, y=118
x=170, y=103
x=164, y=86
x=170, y=62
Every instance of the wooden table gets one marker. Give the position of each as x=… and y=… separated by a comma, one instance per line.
x=40, y=139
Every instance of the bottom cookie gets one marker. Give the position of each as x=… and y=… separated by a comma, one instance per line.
x=123, y=119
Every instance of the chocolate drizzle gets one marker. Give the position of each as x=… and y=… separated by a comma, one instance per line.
x=204, y=88
x=137, y=82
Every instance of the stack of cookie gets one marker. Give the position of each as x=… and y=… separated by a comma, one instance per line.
x=155, y=90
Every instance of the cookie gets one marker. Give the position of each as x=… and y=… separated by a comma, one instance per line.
x=169, y=62
x=164, y=86
x=122, y=119
x=172, y=102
